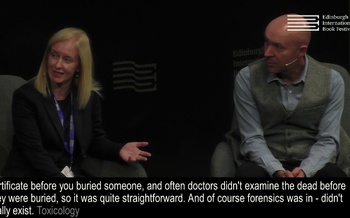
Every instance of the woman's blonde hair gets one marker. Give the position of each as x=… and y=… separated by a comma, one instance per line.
x=85, y=83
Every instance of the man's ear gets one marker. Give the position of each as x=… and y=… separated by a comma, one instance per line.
x=303, y=50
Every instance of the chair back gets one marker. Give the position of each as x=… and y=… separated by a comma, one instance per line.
x=8, y=84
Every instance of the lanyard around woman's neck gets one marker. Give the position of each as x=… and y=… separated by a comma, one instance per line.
x=68, y=143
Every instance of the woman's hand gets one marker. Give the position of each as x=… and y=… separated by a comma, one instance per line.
x=131, y=152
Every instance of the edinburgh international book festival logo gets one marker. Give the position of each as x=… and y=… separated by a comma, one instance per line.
x=324, y=23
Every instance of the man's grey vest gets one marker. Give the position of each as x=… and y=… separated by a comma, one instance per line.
x=290, y=135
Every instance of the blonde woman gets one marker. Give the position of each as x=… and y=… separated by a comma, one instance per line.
x=57, y=115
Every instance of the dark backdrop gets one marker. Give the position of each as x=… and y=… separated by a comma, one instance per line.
x=192, y=46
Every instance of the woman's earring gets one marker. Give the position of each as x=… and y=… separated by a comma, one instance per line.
x=77, y=74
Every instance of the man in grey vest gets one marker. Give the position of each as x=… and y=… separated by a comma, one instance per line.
x=288, y=109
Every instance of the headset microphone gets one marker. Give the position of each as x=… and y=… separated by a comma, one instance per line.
x=286, y=65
